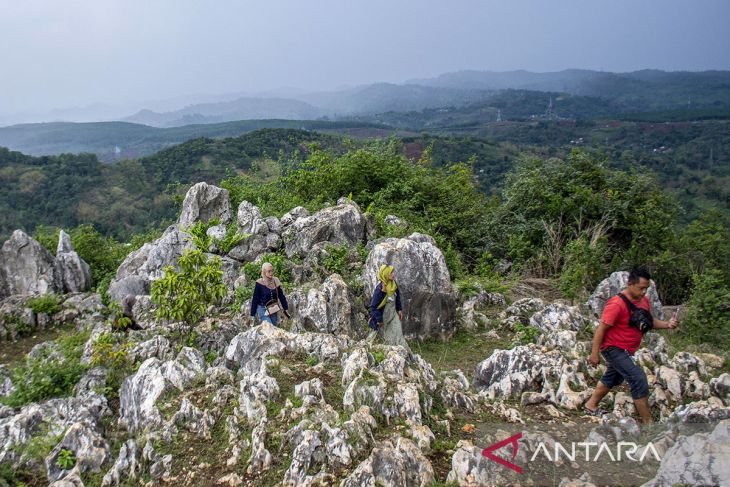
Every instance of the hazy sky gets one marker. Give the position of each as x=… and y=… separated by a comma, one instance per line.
x=60, y=53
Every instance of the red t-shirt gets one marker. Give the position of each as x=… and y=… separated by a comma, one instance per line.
x=620, y=334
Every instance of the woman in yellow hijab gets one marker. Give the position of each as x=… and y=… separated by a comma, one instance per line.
x=386, y=311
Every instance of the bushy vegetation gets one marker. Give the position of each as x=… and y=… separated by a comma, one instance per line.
x=186, y=294
x=45, y=377
x=708, y=315
x=45, y=303
x=441, y=201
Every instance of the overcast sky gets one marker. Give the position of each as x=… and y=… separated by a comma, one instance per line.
x=60, y=53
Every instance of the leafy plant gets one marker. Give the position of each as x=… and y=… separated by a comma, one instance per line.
x=107, y=351
x=185, y=295
x=231, y=238
x=526, y=333
x=199, y=234
x=312, y=360
x=337, y=258
x=45, y=303
x=708, y=314
x=66, y=459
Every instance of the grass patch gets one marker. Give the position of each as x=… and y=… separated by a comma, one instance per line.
x=463, y=351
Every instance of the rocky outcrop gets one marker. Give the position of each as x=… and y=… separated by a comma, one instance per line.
x=698, y=459
x=27, y=268
x=88, y=447
x=205, y=202
x=511, y=372
x=341, y=224
x=429, y=303
x=330, y=308
x=73, y=273
x=147, y=264
x=611, y=286
x=399, y=463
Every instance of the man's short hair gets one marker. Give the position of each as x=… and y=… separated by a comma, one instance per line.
x=637, y=273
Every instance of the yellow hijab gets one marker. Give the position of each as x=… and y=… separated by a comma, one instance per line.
x=387, y=284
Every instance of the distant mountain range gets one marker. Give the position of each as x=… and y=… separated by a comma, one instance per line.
x=111, y=141
x=638, y=91
x=647, y=90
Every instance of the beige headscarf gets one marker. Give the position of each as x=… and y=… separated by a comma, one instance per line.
x=270, y=282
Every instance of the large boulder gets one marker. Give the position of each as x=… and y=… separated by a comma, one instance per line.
x=73, y=273
x=341, y=224
x=205, y=202
x=612, y=285
x=698, y=459
x=509, y=373
x=26, y=267
x=147, y=264
x=429, y=303
x=249, y=219
x=327, y=309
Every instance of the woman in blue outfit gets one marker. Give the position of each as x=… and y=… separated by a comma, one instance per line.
x=268, y=290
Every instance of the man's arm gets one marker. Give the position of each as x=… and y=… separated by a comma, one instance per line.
x=597, y=340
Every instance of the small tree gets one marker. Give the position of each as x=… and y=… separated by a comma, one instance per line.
x=185, y=295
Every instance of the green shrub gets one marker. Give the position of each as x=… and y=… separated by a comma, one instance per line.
x=199, y=234
x=109, y=352
x=337, y=259
x=585, y=265
x=37, y=380
x=45, y=303
x=708, y=314
x=186, y=294
x=231, y=239
x=243, y=294
x=66, y=459
x=526, y=333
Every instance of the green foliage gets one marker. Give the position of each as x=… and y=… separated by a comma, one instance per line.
x=231, y=239
x=242, y=294
x=252, y=270
x=708, y=314
x=378, y=356
x=443, y=202
x=66, y=459
x=42, y=378
x=526, y=333
x=199, y=234
x=45, y=303
x=585, y=265
x=185, y=295
x=337, y=259
x=550, y=203
x=312, y=360
x=109, y=351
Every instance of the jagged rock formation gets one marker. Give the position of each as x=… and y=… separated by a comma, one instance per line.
x=699, y=459
x=27, y=268
x=330, y=308
x=205, y=202
x=429, y=303
x=147, y=264
x=224, y=404
x=73, y=273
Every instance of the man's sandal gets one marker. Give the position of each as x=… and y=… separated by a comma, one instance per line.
x=599, y=412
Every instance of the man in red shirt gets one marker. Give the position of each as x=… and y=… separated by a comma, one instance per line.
x=617, y=342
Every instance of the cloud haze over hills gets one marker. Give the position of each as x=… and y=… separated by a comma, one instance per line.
x=114, y=55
